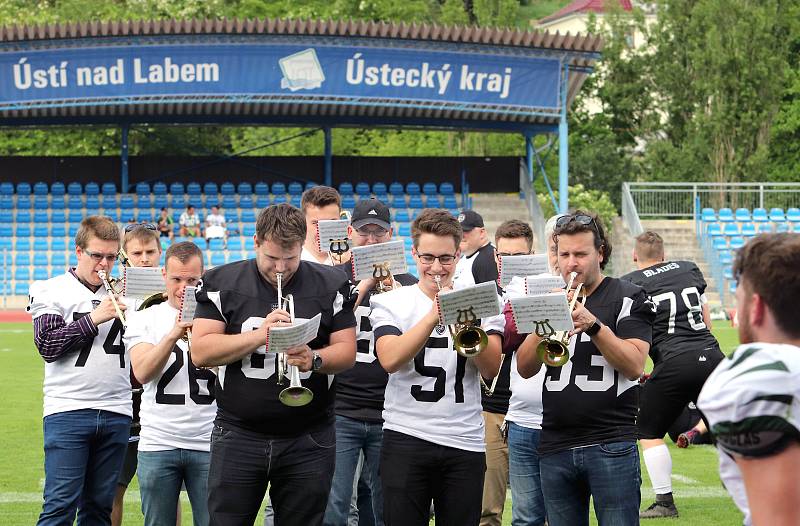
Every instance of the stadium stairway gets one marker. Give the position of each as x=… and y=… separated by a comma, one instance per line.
x=496, y=208
x=680, y=243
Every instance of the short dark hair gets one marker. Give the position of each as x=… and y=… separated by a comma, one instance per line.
x=569, y=226
x=649, y=246
x=437, y=222
x=282, y=224
x=768, y=264
x=101, y=227
x=514, y=229
x=183, y=251
x=320, y=196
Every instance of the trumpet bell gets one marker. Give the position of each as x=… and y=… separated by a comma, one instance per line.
x=469, y=341
x=552, y=352
x=296, y=396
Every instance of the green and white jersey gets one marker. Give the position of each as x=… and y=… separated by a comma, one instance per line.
x=752, y=400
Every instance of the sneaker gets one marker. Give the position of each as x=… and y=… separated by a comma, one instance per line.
x=659, y=510
x=687, y=438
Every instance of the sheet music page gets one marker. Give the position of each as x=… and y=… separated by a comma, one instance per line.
x=543, y=284
x=142, y=282
x=365, y=258
x=527, y=265
x=469, y=303
x=545, y=310
x=330, y=230
x=300, y=333
x=188, y=304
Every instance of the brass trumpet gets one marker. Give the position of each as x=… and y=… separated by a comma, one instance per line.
x=553, y=350
x=469, y=340
x=111, y=292
x=295, y=395
x=382, y=275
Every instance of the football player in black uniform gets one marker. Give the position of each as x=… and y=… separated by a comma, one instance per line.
x=684, y=353
x=256, y=439
x=360, y=390
x=588, y=442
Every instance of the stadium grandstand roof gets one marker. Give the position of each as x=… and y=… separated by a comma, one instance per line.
x=290, y=72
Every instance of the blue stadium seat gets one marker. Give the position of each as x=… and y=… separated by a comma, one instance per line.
x=737, y=242
x=248, y=231
x=108, y=201
x=720, y=242
x=447, y=189
x=748, y=229
x=248, y=216
x=73, y=259
x=232, y=215
x=126, y=216
x=178, y=202
x=23, y=203
x=246, y=188
x=742, y=215
x=40, y=202
x=732, y=286
x=176, y=189
x=234, y=255
x=278, y=188
x=235, y=243
x=23, y=189
x=432, y=201
x=708, y=214
x=296, y=201
x=6, y=231
x=346, y=188
x=57, y=202
x=5, y=243
x=111, y=213
x=398, y=201
x=6, y=202
x=160, y=201
x=6, y=216
x=22, y=230
x=279, y=199
x=75, y=202
x=227, y=188
x=41, y=216
x=74, y=189
x=218, y=257
x=210, y=189
x=6, y=188
x=58, y=243
x=228, y=201
x=159, y=188
x=109, y=189
x=401, y=216
x=348, y=202
x=727, y=272
x=412, y=189
x=196, y=200
x=40, y=258
x=776, y=215
x=144, y=201
x=415, y=202
x=731, y=229
x=362, y=190
x=91, y=189
x=262, y=188
x=262, y=201
x=58, y=228
x=429, y=189
x=40, y=273
x=450, y=202
x=40, y=188
x=725, y=215
x=41, y=230
x=310, y=184
x=380, y=188
x=199, y=242
x=21, y=289
x=782, y=227
x=22, y=259
x=793, y=215
x=404, y=230
x=92, y=201
x=23, y=216
x=216, y=244
x=194, y=188
x=73, y=229
x=41, y=243
x=725, y=257
x=295, y=188
x=246, y=201
x=760, y=215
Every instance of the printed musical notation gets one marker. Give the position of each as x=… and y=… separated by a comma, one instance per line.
x=302, y=331
x=468, y=304
x=527, y=265
x=142, y=282
x=549, y=309
x=188, y=304
x=366, y=258
x=543, y=284
x=332, y=231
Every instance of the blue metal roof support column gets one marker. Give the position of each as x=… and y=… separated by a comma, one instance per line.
x=563, y=145
x=529, y=155
x=123, y=153
x=328, y=156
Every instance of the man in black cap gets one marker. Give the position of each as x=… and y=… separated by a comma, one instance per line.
x=360, y=390
x=477, y=263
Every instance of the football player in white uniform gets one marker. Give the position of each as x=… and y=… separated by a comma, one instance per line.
x=87, y=388
x=752, y=399
x=178, y=406
x=433, y=441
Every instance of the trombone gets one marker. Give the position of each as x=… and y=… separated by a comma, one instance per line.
x=111, y=292
x=553, y=350
x=295, y=395
x=469, y=340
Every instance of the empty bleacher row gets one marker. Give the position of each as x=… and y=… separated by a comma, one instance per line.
x=723, y=232
x=38, y=222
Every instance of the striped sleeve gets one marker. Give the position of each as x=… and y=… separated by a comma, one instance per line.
x=54, y=337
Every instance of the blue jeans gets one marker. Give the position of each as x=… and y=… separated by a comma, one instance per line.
x=609, y=473
x=161, y=474
x=353, y=437
x=527, y=501
x=83, y=454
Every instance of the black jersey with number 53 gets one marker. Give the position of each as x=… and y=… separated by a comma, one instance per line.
x=677, y=288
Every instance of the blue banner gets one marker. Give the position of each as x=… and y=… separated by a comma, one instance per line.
x=358, y=74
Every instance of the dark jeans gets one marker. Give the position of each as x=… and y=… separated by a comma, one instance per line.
x=414, y=471
x=299, y=470
x=83, y=454
x=609, y=473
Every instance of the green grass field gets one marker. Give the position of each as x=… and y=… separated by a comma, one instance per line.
x=698, y=492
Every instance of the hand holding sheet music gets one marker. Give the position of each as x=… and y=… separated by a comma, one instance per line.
x=188, y=305
x=302, y=331
x=366, y=258
x=526, y=265
x=142, y=282
x=468, y=304
x=549, y=310
x=332, y=231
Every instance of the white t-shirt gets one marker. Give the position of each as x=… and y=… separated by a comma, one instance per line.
x=525, y=404
x=215, y=220
x=97, y=377
x=306, y=255
x=189, y=221
x=437, y=396
x=178, y=406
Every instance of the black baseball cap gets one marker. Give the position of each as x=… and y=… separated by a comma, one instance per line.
x=470, y=219
x=371, y=212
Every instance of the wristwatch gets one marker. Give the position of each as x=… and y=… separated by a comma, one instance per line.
x=594, y=328
x=316, y=361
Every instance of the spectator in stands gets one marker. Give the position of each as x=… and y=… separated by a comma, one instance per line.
x=215, y=224
x=165, y=223
x=190, y=223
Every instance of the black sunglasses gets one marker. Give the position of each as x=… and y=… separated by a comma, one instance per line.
x=581, y=219
x=133, y=226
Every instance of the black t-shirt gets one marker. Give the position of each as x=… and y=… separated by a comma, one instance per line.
x=498, y=402
x=586, y=401
x=247, y=390
x=360, y=390
x=676, y=287
x=484, y=266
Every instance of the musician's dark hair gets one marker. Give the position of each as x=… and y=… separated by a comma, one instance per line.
x=183, y=252
x=514, y=229
x=320, y=196
x=570, y=228
x=101, y=227
x=767, y=265
x=437, y=222
x=283, y=224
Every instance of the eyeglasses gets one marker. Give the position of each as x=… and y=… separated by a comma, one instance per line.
x=375, y=232
x=444, y=259
x=133, y=226
x=97, y=257
x=581, y=219
x=505, y=254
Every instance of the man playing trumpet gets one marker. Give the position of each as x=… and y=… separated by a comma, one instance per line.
x=588, y=441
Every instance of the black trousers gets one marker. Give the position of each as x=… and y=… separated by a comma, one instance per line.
x=300, y=470
x=415, y=471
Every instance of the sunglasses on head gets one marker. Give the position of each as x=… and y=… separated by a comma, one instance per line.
x=581, y=219
x=133, y=226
